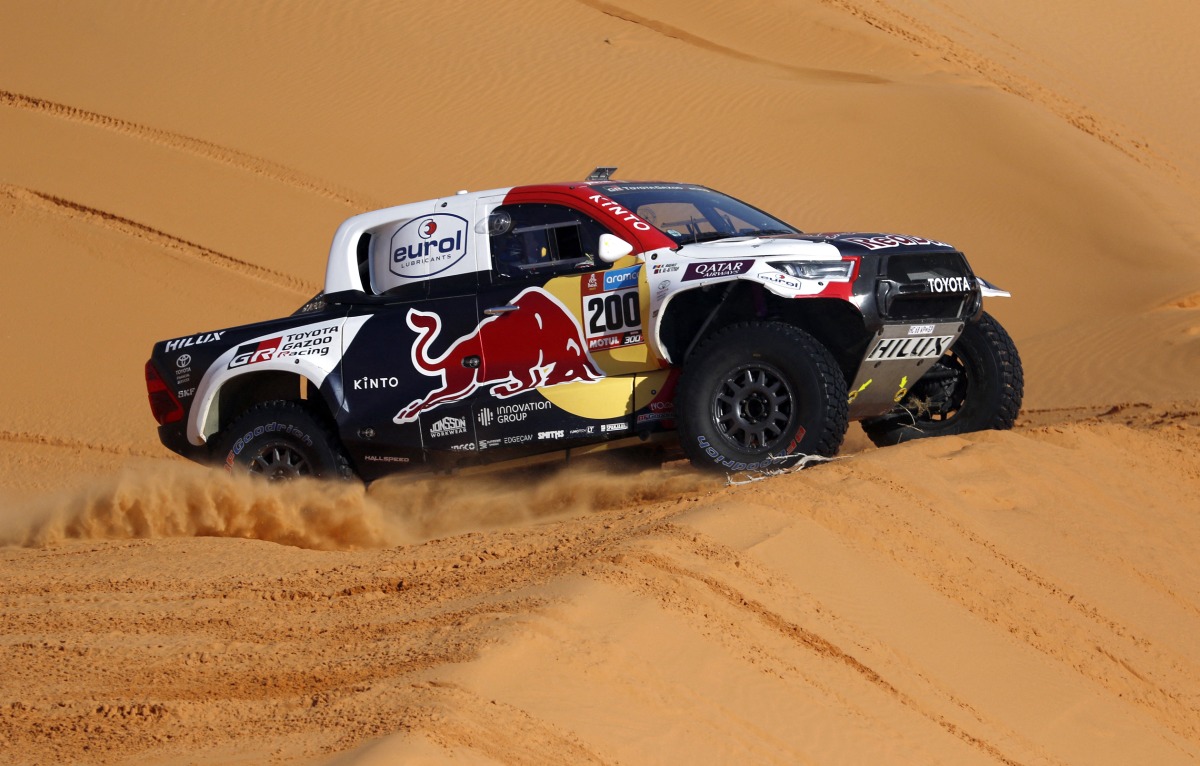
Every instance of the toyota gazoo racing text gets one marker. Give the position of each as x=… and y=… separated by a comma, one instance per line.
x=580, y=316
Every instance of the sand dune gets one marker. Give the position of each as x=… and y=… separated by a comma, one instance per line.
x=1022, y=597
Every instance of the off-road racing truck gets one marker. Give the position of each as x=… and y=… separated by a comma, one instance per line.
x=574, y=316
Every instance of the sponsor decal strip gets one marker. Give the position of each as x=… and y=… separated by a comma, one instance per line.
x=894, y=240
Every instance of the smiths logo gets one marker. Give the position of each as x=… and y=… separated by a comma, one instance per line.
x=428, y=245
x=448, y=426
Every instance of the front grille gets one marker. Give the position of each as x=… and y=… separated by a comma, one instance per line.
x=912, y=307
x=923, y=267
x=926, y=286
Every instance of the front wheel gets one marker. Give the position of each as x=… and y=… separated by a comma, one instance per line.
x=758, y=395
x=281, y=441
x=976, y=386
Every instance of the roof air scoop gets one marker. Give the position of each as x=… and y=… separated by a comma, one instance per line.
x=601, y=174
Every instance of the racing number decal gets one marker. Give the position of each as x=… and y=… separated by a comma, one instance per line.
x=612, y=310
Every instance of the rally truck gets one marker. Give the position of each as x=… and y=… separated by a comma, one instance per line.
x=570, y=317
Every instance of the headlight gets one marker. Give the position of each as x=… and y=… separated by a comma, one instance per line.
x=829, y=271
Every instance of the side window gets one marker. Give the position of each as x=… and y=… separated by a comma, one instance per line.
x=534, y=239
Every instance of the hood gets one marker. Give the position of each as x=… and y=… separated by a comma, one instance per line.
x=865, y=243
x=798, y=247
x=814, y=247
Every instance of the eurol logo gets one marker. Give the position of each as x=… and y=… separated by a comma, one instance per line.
x=716, y=269
x=428, y=245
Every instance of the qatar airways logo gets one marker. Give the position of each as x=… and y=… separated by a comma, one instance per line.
x=716, y=269
x=428, y=245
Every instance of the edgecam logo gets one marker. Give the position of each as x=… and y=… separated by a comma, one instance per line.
x=427, y=246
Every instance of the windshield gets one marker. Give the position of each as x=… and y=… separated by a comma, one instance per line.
x=690, y=214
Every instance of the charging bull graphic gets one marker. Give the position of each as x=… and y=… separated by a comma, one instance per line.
x=539, y=320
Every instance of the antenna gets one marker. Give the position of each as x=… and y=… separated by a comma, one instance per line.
x=601, y=174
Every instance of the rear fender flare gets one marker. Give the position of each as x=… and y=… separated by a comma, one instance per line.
x=204, y=418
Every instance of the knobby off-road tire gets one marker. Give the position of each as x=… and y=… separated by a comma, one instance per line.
x=759, y=395
x=976, y=386
x=280, y=441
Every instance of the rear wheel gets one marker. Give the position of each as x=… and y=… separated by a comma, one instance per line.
x=281, y=441
x=978, y=385
x=757, y=395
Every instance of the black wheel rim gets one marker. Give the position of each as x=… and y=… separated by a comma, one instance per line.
x=753, y=408
x=280, y=462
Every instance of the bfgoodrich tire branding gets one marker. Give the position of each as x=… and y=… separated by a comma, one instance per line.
x=724, y=462
x=270, y=428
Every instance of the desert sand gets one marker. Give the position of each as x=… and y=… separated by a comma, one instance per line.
x=1021, y=597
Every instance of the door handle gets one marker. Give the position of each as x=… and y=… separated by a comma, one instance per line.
x=496, y=311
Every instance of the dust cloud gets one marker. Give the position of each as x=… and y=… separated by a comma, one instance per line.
x=147, y=502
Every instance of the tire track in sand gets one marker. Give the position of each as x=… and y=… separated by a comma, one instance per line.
x=744, y=603
x=47, y=440
x=197, y=147
x=111, y=221
x=711, y=46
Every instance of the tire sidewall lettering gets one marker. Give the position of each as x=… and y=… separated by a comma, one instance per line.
x=273, y=427
x=731, y=464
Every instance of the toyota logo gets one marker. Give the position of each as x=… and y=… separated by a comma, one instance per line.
x=183, y=361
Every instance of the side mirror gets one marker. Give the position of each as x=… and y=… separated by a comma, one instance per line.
x=613, y=249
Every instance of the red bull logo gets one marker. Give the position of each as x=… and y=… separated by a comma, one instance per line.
x=539, y=344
